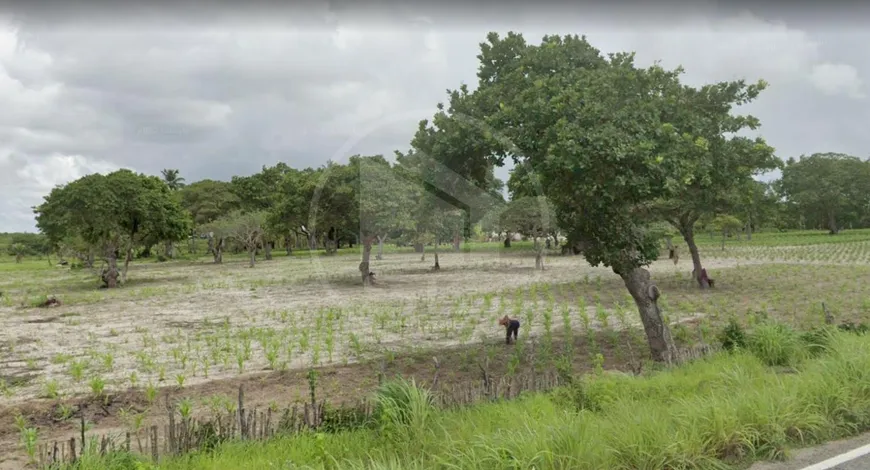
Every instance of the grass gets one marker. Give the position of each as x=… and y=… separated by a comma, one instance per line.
x=718, y=413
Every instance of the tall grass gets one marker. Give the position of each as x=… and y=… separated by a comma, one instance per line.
x=716, y=413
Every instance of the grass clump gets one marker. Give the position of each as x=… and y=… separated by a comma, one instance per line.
x=404, y=408
x=776, y=344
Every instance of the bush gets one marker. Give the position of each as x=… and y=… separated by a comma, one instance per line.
x=817, y=341
x=776, y=344
x=404, y=408
x=732, y=336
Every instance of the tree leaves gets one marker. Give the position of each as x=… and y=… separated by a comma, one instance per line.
x=830, y=188
x=101, y=209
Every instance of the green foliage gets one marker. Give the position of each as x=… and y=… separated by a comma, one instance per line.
x=26, y=244
x=524, y=182
x=716, y=167
x=829, y=189
x=381, y=196
x=207, y=200
x=726, y=223
x=776, y=344
x=403, y=408
x=732, y=336
x=533, y=216
x=817, y=341
x=172, y=179
x=109, y=211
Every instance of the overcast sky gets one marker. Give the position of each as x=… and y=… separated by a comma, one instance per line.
x=219, y=91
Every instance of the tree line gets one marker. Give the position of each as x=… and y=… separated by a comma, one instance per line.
x=611, y=155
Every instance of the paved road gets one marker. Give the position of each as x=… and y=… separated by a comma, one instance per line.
x=849, y=454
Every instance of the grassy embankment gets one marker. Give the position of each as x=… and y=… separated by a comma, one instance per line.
x=783, y=389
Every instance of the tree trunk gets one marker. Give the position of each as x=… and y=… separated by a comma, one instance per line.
x=252, y=254
x=218, y=250
x=364, y=270
x=539, y=259
x=422, y=252
x=167, y=251
x=288, y=245
x=110, y=277
x=724, y=235
x=748, y=229
x=457, y=240
x=267, y=250
x=507, y=240
x=832, y=224
x=689, y=237
x=670, y=244
x=380, y=255
x=645, y=295
x=90, y=261
x=19, y=257
x=312, y=242
x=437, y=266
x=127, y=258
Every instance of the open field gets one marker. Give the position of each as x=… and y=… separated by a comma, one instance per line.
x=193, y=329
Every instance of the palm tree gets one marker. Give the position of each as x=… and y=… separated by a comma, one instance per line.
x=170, y=176
x=175, y=182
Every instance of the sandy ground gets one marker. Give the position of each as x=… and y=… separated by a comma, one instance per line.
x=205, y=313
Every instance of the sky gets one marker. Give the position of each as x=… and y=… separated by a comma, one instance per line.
x=217, y=90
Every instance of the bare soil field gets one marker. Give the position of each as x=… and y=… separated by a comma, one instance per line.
x=194, y=329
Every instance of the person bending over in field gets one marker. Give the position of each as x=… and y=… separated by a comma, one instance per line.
x=512, y=326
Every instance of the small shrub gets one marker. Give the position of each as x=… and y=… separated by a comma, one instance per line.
x=732, y=336
x=776, y=344
x=590, y=393
x=404, y=408
x=817, y=341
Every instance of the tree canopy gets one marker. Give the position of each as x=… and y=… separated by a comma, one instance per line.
x=829, y=189
x=112, y=212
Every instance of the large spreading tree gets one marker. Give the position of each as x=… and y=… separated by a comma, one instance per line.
x=112, y=213
x=605, y=139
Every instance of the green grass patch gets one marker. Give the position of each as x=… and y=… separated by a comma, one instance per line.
x=787, y=238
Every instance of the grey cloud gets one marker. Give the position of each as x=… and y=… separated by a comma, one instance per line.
x=223, y=91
